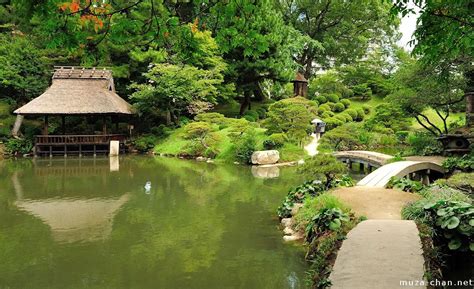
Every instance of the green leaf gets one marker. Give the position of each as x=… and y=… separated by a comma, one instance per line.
x=455, y=244
x=471, y=222
x=471, y=247
x=442, y=212
x=453, y=222
x=335, y=224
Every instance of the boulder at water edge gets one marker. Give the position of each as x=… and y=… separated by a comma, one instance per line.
x=265, y=157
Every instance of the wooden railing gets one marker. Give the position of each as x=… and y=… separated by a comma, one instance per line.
x=77, y=139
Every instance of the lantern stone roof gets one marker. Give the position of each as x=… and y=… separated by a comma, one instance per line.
x=78, y=91
x=299, y=78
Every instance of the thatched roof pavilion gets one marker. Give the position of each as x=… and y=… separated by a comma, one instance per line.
x=76, y=91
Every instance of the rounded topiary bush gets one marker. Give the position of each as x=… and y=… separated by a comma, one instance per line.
x=366, y=108
x=330, y=105
x=352, y=113
x=278, y=139
x=346, y=102
x=324, y=107
x=333, y=123
x=332, y=97
x=338, y=107
x=327, y=114
x=321, y=99
x=252, y=113
x=249, y=118
x=347, y=116
x=360, y=114
x=341, y=118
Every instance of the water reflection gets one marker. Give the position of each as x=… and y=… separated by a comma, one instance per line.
x=75, y=220
x=75, y=223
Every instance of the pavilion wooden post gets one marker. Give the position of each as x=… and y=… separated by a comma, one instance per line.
x=104, y=125
x=45, y=126
x=63, y=124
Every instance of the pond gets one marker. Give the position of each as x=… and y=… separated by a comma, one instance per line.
x=91, y=223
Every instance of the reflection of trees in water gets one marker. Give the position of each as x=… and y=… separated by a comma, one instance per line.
x=184, y=227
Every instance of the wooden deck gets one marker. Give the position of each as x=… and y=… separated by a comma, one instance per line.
x=50, y=145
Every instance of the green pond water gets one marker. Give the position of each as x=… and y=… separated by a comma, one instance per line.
x=85, y=223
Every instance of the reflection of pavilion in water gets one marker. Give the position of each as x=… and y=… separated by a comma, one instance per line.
x=72, y=219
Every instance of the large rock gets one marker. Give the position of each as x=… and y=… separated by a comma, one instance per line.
x=265, y=157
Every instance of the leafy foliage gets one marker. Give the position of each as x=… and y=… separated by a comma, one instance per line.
x=16, y=146
x=405, y=184
x=292, y=117
x=464, y=163
x=328, y=219
x=454, y=222
x=324, y=165
x=297, y=195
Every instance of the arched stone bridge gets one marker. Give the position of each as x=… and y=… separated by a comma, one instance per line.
x=420, y=168
x=423, y=171
x=371, y=159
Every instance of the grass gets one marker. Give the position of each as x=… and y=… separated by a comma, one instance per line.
x=175, y=144
x=436, y=120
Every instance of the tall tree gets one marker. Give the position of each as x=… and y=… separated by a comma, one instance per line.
x=444, y=38
x=256, y=43
x=338, y=32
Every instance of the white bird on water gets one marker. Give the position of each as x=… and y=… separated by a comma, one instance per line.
x=147, y=187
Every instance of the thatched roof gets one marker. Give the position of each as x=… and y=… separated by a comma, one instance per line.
x=78, y=91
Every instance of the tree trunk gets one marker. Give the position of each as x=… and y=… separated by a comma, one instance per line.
x=246, y=103
x=168, y=117
x=470, y=109
x=469, y=93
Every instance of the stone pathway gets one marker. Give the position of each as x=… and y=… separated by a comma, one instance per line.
x=379, y=254
x=375, y=203
x=312, y=147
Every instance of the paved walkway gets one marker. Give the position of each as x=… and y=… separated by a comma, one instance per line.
x=312, y=148
x=378, y=254
x=375, y=203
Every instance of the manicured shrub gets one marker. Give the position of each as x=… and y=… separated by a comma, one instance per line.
x=279, y=139
x=211, y=117
x=346, y=102
x=351, y=112
x=422, y=143
x=250, y=118
x=366, y=108
x=338, y=107
x=341, y=117
x=323, y=108
x=321, y=99
x=252, y=113
x=333, y=122
x=402, y=135
x=333, y=97
x=344, y=137
x=244, y=146
x=331, y=105
x=145, y=143
x=198, y=129
x=161, y=130
x=262, y=112
x=360, y=114
x=347, y=116
x=326, y=166
x=291, y=116
x=362, y=91
x=327, y=114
